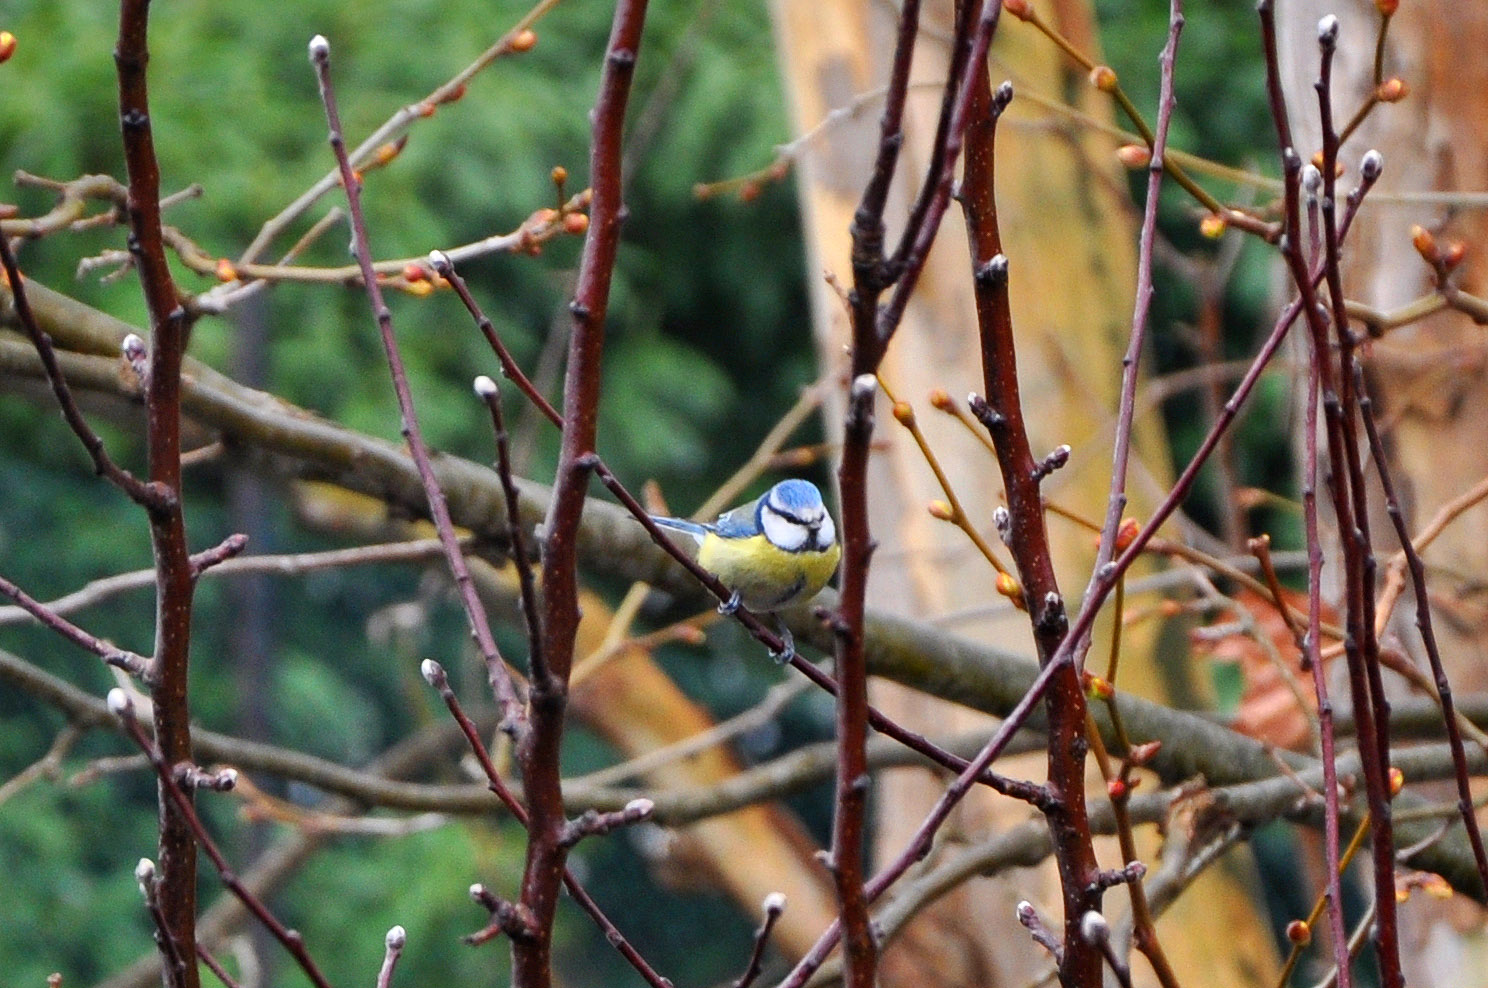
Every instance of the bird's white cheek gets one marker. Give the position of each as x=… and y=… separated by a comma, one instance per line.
x=826, y=532
x=785, y=534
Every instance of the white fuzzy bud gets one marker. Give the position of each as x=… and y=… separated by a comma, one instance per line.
x=1372, y=165
x=119, y=702
x=1094, y=928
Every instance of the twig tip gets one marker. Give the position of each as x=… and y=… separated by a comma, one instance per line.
x=320, y=48
x=120, y=703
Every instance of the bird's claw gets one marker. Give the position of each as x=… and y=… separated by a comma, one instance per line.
x=788, y=650
x=728, y=607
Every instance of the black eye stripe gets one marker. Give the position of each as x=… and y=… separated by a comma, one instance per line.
x=793, y=519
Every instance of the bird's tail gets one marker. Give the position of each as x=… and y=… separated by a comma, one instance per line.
x=696, y=529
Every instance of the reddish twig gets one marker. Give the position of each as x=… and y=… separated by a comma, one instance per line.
x=393, y=944
x=774, y=906
x=1427, y=629
x=486, y=390
x=123, y=707
x=131, y=662
x=1001, y=413
x=434, y=674
x=501, y=680
x=1361, y=645
x=170, y=327
x=551, y=664
x=140, y=492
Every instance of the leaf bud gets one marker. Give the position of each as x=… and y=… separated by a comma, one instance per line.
x=1386, y=8
x=1017, y=8
x=1134, y=155
x=576, y=223
x=941, y=510
x=1371, y=165
x=1327, y=31
x=226, y=271
x=1098, y=688
x=1392, y=90
x=1126, y=533
x=1397, y=781
x=1437, y=887
x=1213, y=226
x=7, y=46
x=1094, y=929
x=1103, y=77
x=1454, y=254
x=904, y=414
x=1425, y=244
x=1299, y=932
x=525, y=40
x=941, y=401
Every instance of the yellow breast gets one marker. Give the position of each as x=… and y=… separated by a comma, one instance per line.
x=767, y=577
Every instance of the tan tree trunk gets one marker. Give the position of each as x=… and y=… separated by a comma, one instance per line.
x=1068, y=233
x=1429, y=380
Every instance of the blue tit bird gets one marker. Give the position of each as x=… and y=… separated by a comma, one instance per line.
x=771, y=552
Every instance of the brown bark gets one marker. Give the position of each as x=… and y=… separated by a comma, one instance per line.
x=1070, y=241
x=1427, y=379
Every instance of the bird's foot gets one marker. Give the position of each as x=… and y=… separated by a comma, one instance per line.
x=731, y=605
x=788, y=641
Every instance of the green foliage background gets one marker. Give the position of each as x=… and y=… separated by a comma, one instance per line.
x=707, y=293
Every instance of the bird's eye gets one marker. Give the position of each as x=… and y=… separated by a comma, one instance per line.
x=826, y=532
x=783, y=531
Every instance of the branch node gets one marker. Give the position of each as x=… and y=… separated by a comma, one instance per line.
x=189, y=776
x=994, y=273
